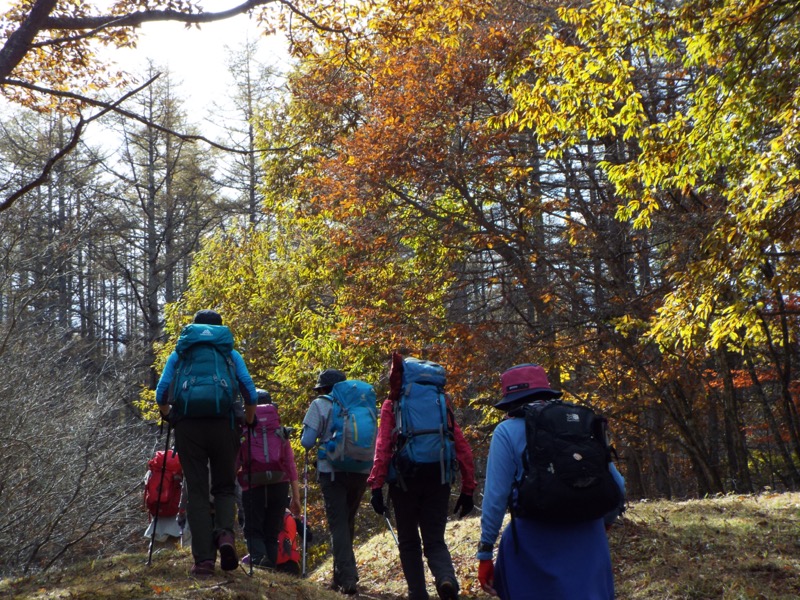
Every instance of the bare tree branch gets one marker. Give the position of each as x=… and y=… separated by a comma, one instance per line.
x=19, y=42
x=114, y=107
x=98, y=23
x=69, y=146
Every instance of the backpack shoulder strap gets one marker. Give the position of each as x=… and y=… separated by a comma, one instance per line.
x=232, y=373
x=451, y=417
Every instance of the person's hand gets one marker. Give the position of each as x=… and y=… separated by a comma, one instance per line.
x=253, y=424
x=486, y=577
x=377, y=501
x=465, y=503
x=294, y=507
x=182, y=519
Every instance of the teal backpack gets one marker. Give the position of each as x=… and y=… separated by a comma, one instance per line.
x=354, y=426
x=205, y=382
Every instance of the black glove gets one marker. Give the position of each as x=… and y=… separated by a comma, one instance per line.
x=465, y=503
x=377, y=501
x=252, y=425
x=169, y=417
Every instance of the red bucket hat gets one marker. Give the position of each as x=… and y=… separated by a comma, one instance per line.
x=527, y=381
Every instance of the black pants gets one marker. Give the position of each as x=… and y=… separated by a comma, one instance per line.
x=264, y=510
x=422, y=509
x=207, y=449
x=342, y=494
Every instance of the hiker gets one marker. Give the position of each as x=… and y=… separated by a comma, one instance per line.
x=198, y=394
x=559, y=559
x=419, y=482
x=274, y=474
x=342, y=487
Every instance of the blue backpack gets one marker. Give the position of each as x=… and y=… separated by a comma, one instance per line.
x=205, y=383
x=423, y=422
x=354, y=426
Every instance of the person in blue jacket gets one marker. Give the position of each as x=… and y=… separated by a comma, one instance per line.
x=535, y=560
x=207, y=447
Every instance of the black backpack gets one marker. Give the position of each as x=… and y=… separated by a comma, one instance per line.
x=565, y=465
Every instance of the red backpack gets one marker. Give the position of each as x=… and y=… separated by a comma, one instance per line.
x=266, y=445
x=164, y=499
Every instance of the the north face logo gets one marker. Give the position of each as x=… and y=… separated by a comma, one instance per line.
x=573, y=418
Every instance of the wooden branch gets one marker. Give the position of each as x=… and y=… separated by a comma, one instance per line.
x=48, y=167
x=19, y=42
x=69, y=23
x=71, y=144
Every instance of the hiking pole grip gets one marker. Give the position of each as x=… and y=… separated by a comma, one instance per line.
x=158, y=500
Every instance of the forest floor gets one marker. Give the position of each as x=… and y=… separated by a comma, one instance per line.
x=726, y=548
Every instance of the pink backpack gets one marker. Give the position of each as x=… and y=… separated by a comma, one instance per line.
x=266, y=445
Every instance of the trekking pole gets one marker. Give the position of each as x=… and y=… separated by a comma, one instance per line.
x=389, y=524
x=305, y=511
x=391, y=530
x=250, y=486
x=158, y=501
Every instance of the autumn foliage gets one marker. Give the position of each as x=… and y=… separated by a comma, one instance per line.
x=607, y=188
x=599, y=189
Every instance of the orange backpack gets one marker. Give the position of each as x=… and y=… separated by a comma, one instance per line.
x=289, y=545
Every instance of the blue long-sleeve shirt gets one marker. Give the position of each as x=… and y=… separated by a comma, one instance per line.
x=246, y=385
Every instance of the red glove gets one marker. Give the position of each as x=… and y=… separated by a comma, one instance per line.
x=486, y=576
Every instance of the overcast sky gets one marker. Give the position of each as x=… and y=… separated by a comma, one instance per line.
x=196, y=57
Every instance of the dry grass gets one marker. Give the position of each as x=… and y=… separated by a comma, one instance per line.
x=728, y=548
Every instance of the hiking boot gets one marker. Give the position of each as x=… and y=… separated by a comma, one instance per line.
x=263, y=563
x=228, y=561
x=448, y=590
x=349, y=589
x=204, y=568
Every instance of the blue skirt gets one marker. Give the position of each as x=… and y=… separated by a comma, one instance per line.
x=554, y=562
